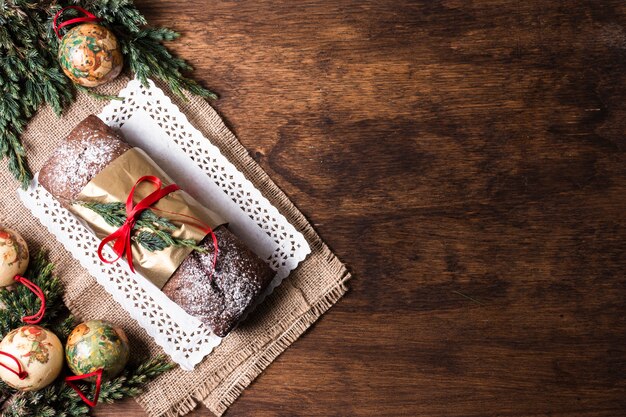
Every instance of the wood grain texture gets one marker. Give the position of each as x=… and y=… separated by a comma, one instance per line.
x=466, y=160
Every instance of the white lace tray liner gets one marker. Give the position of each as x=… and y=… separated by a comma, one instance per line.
x=149, y=120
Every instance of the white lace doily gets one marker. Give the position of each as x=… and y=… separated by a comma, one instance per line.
x=148, y=119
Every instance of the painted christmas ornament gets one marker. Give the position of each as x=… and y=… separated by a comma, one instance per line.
x=13, y=256
x=94, y=345
x=40, y=356
x=90, y=55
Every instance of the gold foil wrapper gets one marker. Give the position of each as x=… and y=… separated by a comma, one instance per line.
x=113, y=184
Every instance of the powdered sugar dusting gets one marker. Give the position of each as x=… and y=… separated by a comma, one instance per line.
x=78, y=160
x=86, y=151
x=238, y=280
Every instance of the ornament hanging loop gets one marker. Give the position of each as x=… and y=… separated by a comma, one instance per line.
x=35, y=318
x=69, y=380
x=89, y=17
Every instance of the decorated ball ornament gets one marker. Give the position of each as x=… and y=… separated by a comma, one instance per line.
x=89, y=53
x=31, y=358
x=94, y=345
x=13, y=256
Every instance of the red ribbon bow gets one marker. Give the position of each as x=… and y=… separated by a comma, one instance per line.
x=121, y=238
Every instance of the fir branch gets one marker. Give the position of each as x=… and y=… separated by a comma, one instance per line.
x=149, y=58
x=154, y=233
x=64, y=327
x=6, y=392
x=59, y=399
x=132, y=381
x=158, y=240
x=30, y=76
x=127, y=385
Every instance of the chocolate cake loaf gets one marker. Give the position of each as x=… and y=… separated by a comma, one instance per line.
x=240, y=276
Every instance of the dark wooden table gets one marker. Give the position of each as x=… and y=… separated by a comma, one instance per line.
x=466, y=160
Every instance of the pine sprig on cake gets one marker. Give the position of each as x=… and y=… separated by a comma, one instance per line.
x=153, y=232
x=30, y=75
x=58, y=399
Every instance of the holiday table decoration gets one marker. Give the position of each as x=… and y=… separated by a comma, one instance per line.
x=31, y=357
x=94, y=345
x=89, y=53
x=31, y=77
x=13, y=256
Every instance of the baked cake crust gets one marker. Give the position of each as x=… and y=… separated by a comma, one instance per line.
x=240, y=275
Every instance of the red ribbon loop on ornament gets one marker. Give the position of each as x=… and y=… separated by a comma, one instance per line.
x=121, y=238
x=21, y=374
x=96, y=395
x=38, y=316
x=89, y=17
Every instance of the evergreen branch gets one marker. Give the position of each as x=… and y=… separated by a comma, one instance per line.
x=30, y=76
x=65, y=327
x=19, y=167
x=59, y=399
x=158, y=240
x=114, y=214
x=131, y=382
x=149, y=58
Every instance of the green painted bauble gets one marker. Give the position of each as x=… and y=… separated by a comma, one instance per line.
x=94, y=345
x=90, y=55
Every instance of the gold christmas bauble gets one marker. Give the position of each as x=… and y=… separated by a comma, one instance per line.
x=90, y=55
x=39, y=352
x=13, y=256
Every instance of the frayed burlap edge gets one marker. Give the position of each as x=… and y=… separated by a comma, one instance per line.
x=246, y=377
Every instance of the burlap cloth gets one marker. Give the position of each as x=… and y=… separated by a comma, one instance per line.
x=308, y=292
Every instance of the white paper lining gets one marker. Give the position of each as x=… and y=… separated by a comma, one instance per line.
x=148, y=119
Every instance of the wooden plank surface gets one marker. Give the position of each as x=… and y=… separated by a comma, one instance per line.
x=466, y=160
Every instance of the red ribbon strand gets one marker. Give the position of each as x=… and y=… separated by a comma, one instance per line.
x=98, y=374
x=121, y=238
x=38, y=316
x=34, y=319
x=89, y=17
x=21, y=373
